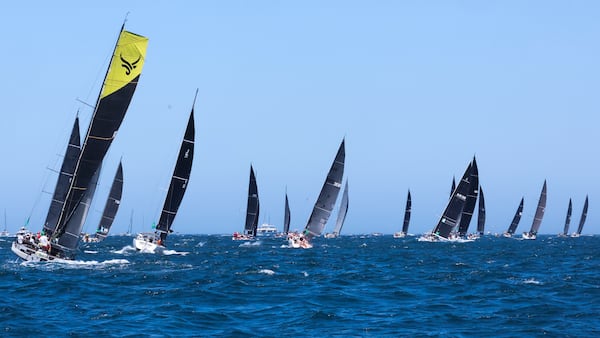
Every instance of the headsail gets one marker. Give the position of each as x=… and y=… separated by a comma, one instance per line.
x=481, y=213
x=568, y=219
x=583, y=216
x=286, y=216
x=342, y=212
x=112, y=205
x=455, y=205
x=539, y=213
x=327, y=197
x=64, y=179
x=117, y=91
x=179, y=180
x=253, y=207
x=515, y=222
x=469, y=208
x=407, y=211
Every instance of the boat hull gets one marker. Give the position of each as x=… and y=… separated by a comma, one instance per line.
x=32, y=255
x=527, y=235
x=399, y=234
x=145, y=244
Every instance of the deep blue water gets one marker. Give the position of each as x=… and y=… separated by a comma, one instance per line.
x=349, y=286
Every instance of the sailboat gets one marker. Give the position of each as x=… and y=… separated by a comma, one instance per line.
x=515, y=222
x=110, y=209
x=324, y=204
x=469, y=208
x=407, y=211
x=4, y=232
x=341, y=214
x=156, y=242
x=452, y=213
x=61, y=234
x=565, y=232
x=252, y=211
x=539, y=214
x=582, y=219
x=481, y=213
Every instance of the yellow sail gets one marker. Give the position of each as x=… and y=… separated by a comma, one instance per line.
x=127, y=62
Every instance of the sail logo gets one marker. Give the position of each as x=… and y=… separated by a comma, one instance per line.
x=187, y=154
x=129, y=66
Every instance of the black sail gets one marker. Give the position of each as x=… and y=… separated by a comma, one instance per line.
x=568, y=219
x=453, y=187
x=112, y=205
x=515, y=222
x=481, y=213
x=539, y=212
x=286, y=216
x=64, y=179
x=469, y=208
x=253, y=207
x=118, y=87
x=179, y=180
x=455, y=205
x=583, y=216
x=329, y=192
x=342, y=212
x=407, y=211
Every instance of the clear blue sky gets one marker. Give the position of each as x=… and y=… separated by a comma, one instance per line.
x=416, y=87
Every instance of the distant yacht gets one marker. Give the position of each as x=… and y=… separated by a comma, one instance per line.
x=252, y=211
x=4, y=233
x=539, y=214
x=515, y=222
x=407, y=211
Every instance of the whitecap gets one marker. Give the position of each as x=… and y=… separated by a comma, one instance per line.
x=305, y=274
x=200, y=244
x=173, y=252
x=257, y=243
x=532, y=281
x=90, y=251
x=267, y=272
x=124, y=250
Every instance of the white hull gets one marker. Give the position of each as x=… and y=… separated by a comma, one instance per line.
x=331, y=236
x=33, y=255
x=575, y=235
x=527, y=235
x=437, y=238
x=399, y=234
x=147, y=244
x=298, y=242
x=507, y=235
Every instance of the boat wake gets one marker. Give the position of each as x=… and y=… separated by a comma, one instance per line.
x=76, y=264
x=125, y=249
x=90, y=251
x=250, y=243
x=173, y=252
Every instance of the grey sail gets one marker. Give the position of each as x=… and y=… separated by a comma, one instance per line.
x=286, y=216
x=112, y=205
x=343, y=211
x=407, y=211
x=70, y=238
x=327, y=197
x=481, y=213
x=583, y=216
x=515, y=222
x=568, y=219
x=253, y=208
x=453, y=210
x=469, y=208
x=179, y=180
x=64, y=179
x=539, y=212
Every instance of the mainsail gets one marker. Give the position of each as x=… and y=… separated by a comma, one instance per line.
x=481, y=213
x=455, y=205
x=583, y=216
x=179, y=180
x=407, y=213
x=64, y=179
x=568, y=219
x=539, y=213
x=117, y=91
x=469, y=208
x=253, y=207
x=286, y=216
x=515, y=222
x=342, y=212
x=453, y=187
x=327, y=197
x=112, y=205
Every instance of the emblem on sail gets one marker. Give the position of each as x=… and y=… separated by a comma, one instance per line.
x=129, y=65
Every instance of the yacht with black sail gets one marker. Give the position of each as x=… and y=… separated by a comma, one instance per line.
x=81, y=166
x=252, y=211
x=110, y=209
x=324, y=204
x=582, y=219
x=565, y=232
x=156, y=242
x=515, y=222
x=539, y=215
x=407, y=211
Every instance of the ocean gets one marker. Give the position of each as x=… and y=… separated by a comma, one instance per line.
x=352, y=286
